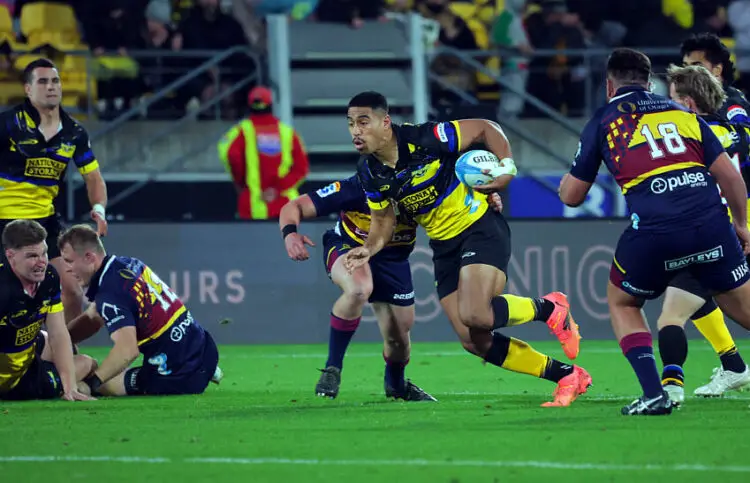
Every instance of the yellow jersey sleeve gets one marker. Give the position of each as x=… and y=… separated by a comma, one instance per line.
x=378, y=205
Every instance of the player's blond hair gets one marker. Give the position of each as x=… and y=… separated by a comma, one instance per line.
x=696, y=82
x=81, y=238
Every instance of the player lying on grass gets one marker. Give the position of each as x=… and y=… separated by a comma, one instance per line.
x=412, y=168
x=386, y=282
x=695, y=88
x=33, y=366
x=143, y=315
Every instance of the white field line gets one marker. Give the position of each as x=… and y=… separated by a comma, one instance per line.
x=416, y=354
x=555, y=465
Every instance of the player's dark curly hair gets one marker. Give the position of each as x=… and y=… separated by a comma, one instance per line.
x=371, y=99
x=628, y=67
x=715, y=51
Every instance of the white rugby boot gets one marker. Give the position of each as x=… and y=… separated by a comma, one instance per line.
x=676, y=393
x=723, y=381
x=218, y=375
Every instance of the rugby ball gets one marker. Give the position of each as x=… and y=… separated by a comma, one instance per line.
x=470, y=165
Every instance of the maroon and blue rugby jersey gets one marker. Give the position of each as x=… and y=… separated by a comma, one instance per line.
x=659, y=153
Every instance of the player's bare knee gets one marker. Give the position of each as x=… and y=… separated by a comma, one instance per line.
x=85, y=365
x=666, y=319
x=470, y=348
x=476, y=316
x=358, y=294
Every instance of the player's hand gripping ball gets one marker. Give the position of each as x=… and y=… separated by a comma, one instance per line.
x=478, y=168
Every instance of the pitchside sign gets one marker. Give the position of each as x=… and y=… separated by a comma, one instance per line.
x=240, y=272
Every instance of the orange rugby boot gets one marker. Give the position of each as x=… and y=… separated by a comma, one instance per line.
x=562, y=325
x=570, y=387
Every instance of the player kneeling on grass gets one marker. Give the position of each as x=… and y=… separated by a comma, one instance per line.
x=33, y=366
x=142, y=315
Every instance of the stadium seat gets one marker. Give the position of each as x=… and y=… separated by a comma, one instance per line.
x=51, y=24
x=11, y=92
x=6, y=26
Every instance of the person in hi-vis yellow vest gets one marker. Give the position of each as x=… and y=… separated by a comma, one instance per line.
x=266, y=159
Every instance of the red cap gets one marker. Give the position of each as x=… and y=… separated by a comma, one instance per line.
x=260, y=97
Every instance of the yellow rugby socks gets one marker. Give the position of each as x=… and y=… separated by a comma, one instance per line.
x=715, y=330
x=513, y=310
x=518, y=356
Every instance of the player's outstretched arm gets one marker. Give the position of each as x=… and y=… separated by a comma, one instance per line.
x=289, y=219
x=62, y=355
x=124, y=352
x=382, y=225
x=491, y=134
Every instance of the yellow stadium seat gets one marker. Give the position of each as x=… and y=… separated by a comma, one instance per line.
x=50, y=23
x=6, y=26
x=11, y=92
x=23, y=60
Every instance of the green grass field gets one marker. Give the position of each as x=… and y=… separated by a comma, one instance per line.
x=265, y=424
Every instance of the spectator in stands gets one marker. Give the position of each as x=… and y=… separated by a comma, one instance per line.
x=265, y=158
x=114, y=27
x=208, y=28
x=454, y=33
x=399, y=6
x=711, y=16
x=508, y=32
x=739, y=18
x=181, y=9
x=158, y=72
x=558, y=81
x=245, y=13
x=353, y=12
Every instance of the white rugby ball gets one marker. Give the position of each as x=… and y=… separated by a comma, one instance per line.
x=470, y=165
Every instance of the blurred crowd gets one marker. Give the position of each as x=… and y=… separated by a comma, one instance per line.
x=532, y=43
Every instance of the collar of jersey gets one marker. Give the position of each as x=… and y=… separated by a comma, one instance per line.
x=403, y=149
x=94, y=283
x=622, y=91
x=37, y=118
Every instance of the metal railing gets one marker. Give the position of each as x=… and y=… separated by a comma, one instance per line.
x=592, y=60
x=73, y=183
x=520, y=132
x=215, y=58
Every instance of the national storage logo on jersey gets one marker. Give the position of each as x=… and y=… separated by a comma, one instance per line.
x=44, y=168
x=27, y=334
x=420, y=199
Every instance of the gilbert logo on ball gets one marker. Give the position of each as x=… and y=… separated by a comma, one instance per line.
x=470, y=167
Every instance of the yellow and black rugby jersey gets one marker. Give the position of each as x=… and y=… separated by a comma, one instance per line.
x=735, y=139
x=31, y=168
x=424, y=184
x=21, y=319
